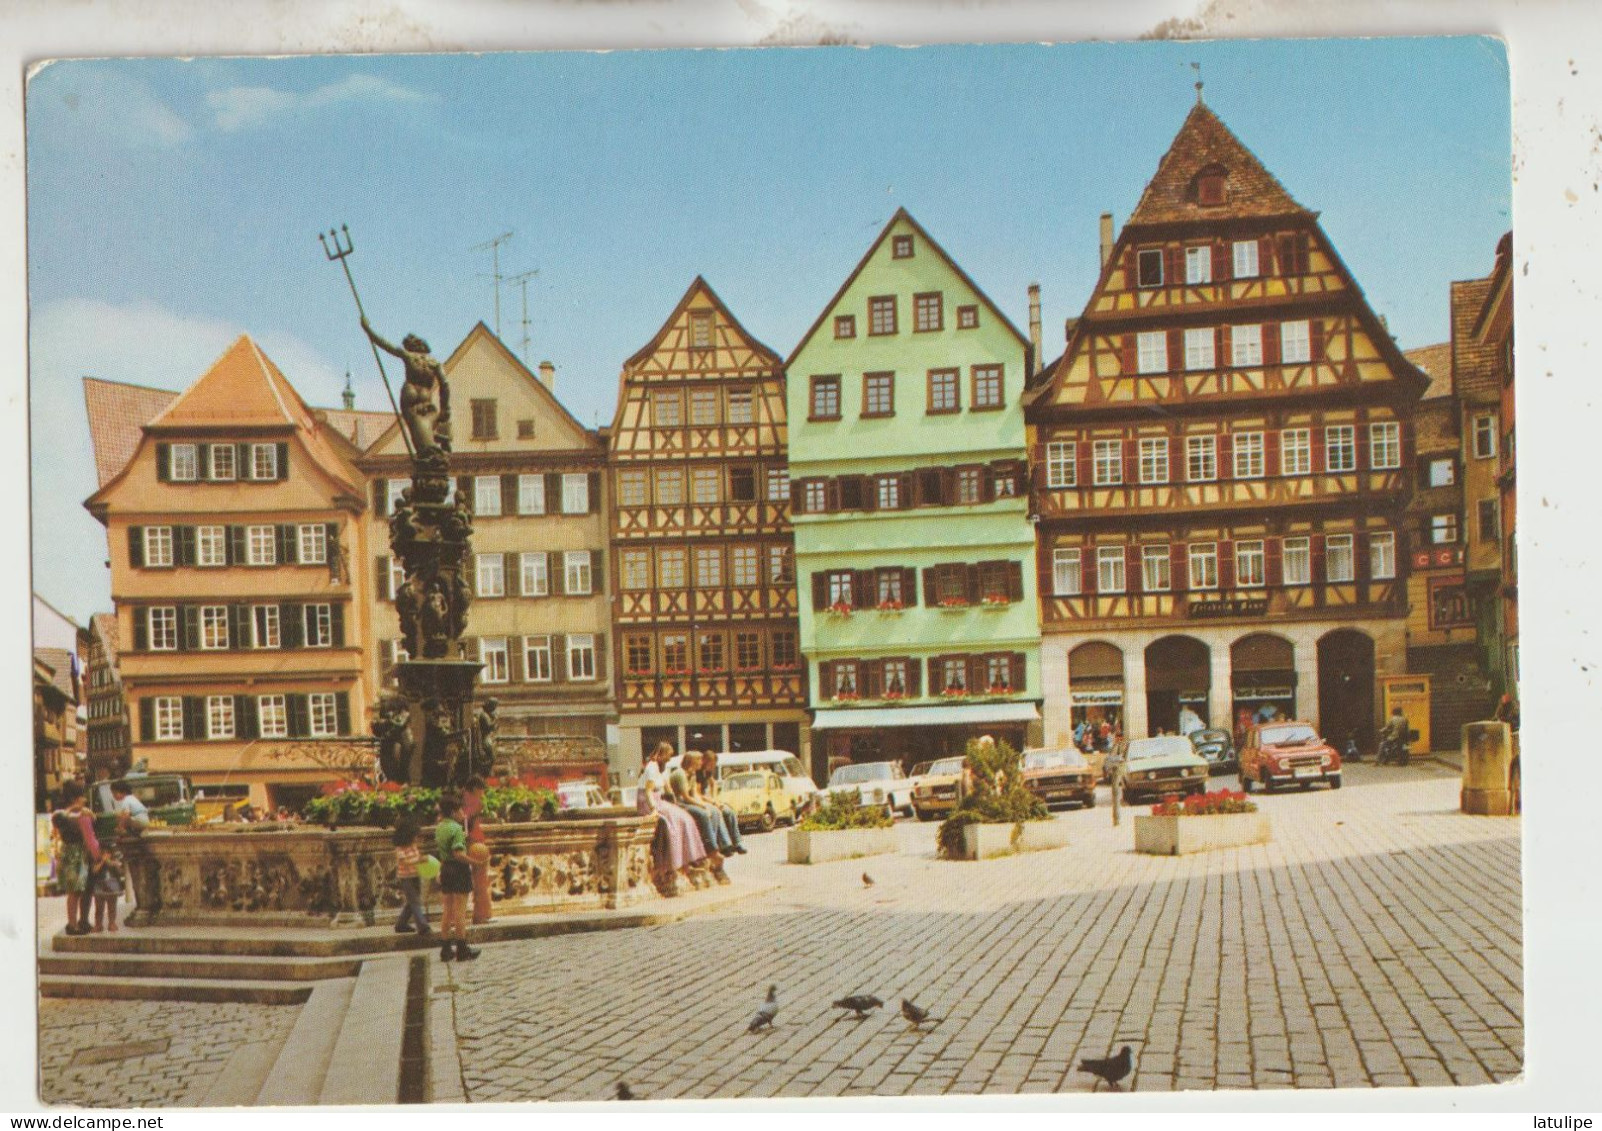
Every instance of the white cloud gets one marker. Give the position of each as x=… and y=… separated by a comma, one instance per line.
x=244, y=107
x=115, y=108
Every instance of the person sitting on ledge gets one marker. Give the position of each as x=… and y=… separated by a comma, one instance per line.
x=706, y=787
x=678, y=849
x=710, y=823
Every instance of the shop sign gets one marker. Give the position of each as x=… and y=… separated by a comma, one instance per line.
x=1096, y=698
x=1230, y=607
x=1265, y=693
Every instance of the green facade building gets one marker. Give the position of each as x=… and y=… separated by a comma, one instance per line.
x=914, y=551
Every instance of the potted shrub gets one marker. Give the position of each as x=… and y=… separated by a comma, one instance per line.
x=841, y=828
x=997, y=815
x=1224, y=818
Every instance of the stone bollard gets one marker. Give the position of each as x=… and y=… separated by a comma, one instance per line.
x=1487, y=757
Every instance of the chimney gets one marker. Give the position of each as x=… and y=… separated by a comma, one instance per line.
x=1106, y=237
x=548, y=375
x=1034, y=323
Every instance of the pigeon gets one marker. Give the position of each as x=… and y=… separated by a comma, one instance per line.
x=861, y=1003
x=867, y=880
x=765, y=1015
x=623, y=1091
x=915, y=1015
x=1112, y=1069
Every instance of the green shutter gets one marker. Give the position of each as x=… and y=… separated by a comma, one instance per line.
x=342, y=712
x=164, y=463
x=283, y=461
x=336, y=621
x=147, y=719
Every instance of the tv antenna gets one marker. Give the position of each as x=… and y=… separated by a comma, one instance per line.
x=522, y=281
x=494, y=248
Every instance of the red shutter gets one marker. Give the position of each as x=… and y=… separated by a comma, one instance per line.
x=1082, y=477
x=1087, y=570
x=1133, y=581
x=1046, y=582
x=1221, y=264
x=1176, y=351
x=1179, y=567
x=1287, y=254
x=1127, y=356
x=1221, y=358
x=1271, y=452
x=1315, y=554
x=1273, y=568
x=1226, y=566
x=1131, y=467
x=1315, y=335
x=1316, y=436
x=1174, y=266
x=1270, y=343
x=1131, y=280
x=1360, y=556
x=1265, y=256
x=1226, y=456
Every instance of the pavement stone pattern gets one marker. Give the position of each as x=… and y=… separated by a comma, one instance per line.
x=1375, y=942
x=82, y=1042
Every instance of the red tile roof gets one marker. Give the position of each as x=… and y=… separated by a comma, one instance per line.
x=60, y=663
x=106, y=625
x=117, y=415
x=359, y=427
x=1249, y=188
x=1436, y=362
x=1474, y=364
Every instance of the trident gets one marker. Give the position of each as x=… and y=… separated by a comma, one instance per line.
x=340, y=252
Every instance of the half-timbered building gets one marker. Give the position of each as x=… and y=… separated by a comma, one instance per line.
x=1220, y=460
x=918, y=615
x=532, y=476
x=704, y=559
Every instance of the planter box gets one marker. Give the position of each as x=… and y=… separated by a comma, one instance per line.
x=1180, y=836
x=808, y=847
x=982, y=842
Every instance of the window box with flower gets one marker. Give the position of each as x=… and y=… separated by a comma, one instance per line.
x=890, y=607
x=997, y=690
x=952, y=604
x=954, y=692
x=840, y=609
x=995, y=601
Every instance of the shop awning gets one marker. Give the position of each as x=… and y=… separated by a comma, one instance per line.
x=954, y=714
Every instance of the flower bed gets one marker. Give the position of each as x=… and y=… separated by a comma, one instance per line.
x=840, y=829
x=355, y=803
x=998, y=799
x=1221, y=819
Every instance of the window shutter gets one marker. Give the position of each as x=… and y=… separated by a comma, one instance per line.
x=595, y=492
x=1176, y=351
x=1127, y=357
x=464, y=490
x=331, y=548
x=1221, y=263
x=1360, y=556
x=861, y=588
x=553, y=492
x=1020, y=670
x=820, y=591
x=194, y=717
x=1173, y=266
x=1134, y=576
x=1265, y=256
x=381, y=496
x=295, y=706
x=600, y=656
x=1287, y=254
x=1315, y=553
x=1179, y=567
x=1223, y=360
x=336, y=623
x=242, y=462
x=184, y=539
x=977, y=677
x=872, y=679
x=1226, y=456
x=189, y=627
x=287, y=544
x=831, y=495
x=869, y=491
x=1045, y=572
x=971, y=575
x=1271, y=452
x=909, y=587
x=1082, y=476
x=136, y=547
x=1089, y=579
x=1131, y=279
x=246, y=722
x=342, y=712
x=1271, y=332
x=381, y=578
x=914, y=677
x=164, y=463
x=1015, y=585
x=508, y=494
x=283, y=461
x=1315, y=336
x=141, y=629
x=1316, y=436
x=290, y=625
x=147, y=719
x=239, y=626
x=511, y=581
x=797, y=495
x=597, y=576
x=1131, y=466
x=559, y=659
x=826, y=679
x=948, y=486
x=556, y=573
x=931, y=590
x=1273, y=563
x=236, y=545
x=1226, y=565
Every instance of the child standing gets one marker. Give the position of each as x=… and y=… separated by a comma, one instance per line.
x=108, y=884
x=407, y=857
x=455, y=878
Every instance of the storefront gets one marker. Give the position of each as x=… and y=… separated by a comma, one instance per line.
x=911, y=735
x=1096, y=686
x=1262, y=678
x=1178, y=675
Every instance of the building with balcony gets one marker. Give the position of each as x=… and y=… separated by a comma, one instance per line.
x=703, y=554
x=914, y=551
x=1221, y=458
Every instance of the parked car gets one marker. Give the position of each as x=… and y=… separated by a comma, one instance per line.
x=168, y=799
x=1157, y=767
x=797, y=782
x=935, y=790
x=1218, y=747
x=1060, y=775
x=580, y=795
x=761, y=799
x=1287, y=753
x=877, y=783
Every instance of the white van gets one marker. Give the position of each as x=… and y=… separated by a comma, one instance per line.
x=797, y=782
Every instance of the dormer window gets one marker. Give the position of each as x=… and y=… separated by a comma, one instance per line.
x=1209, y=186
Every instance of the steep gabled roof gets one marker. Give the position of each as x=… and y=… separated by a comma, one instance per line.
x=923, y=234
x=59, y=661
x=700, y=286
x=1203, y=141
x=117, y=416
x=1474, y=362
x=242, y=387
x=1435, y=362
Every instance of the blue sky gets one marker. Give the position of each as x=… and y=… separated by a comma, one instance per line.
x=173, y=205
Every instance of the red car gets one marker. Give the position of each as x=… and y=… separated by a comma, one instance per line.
x=1287, y=753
